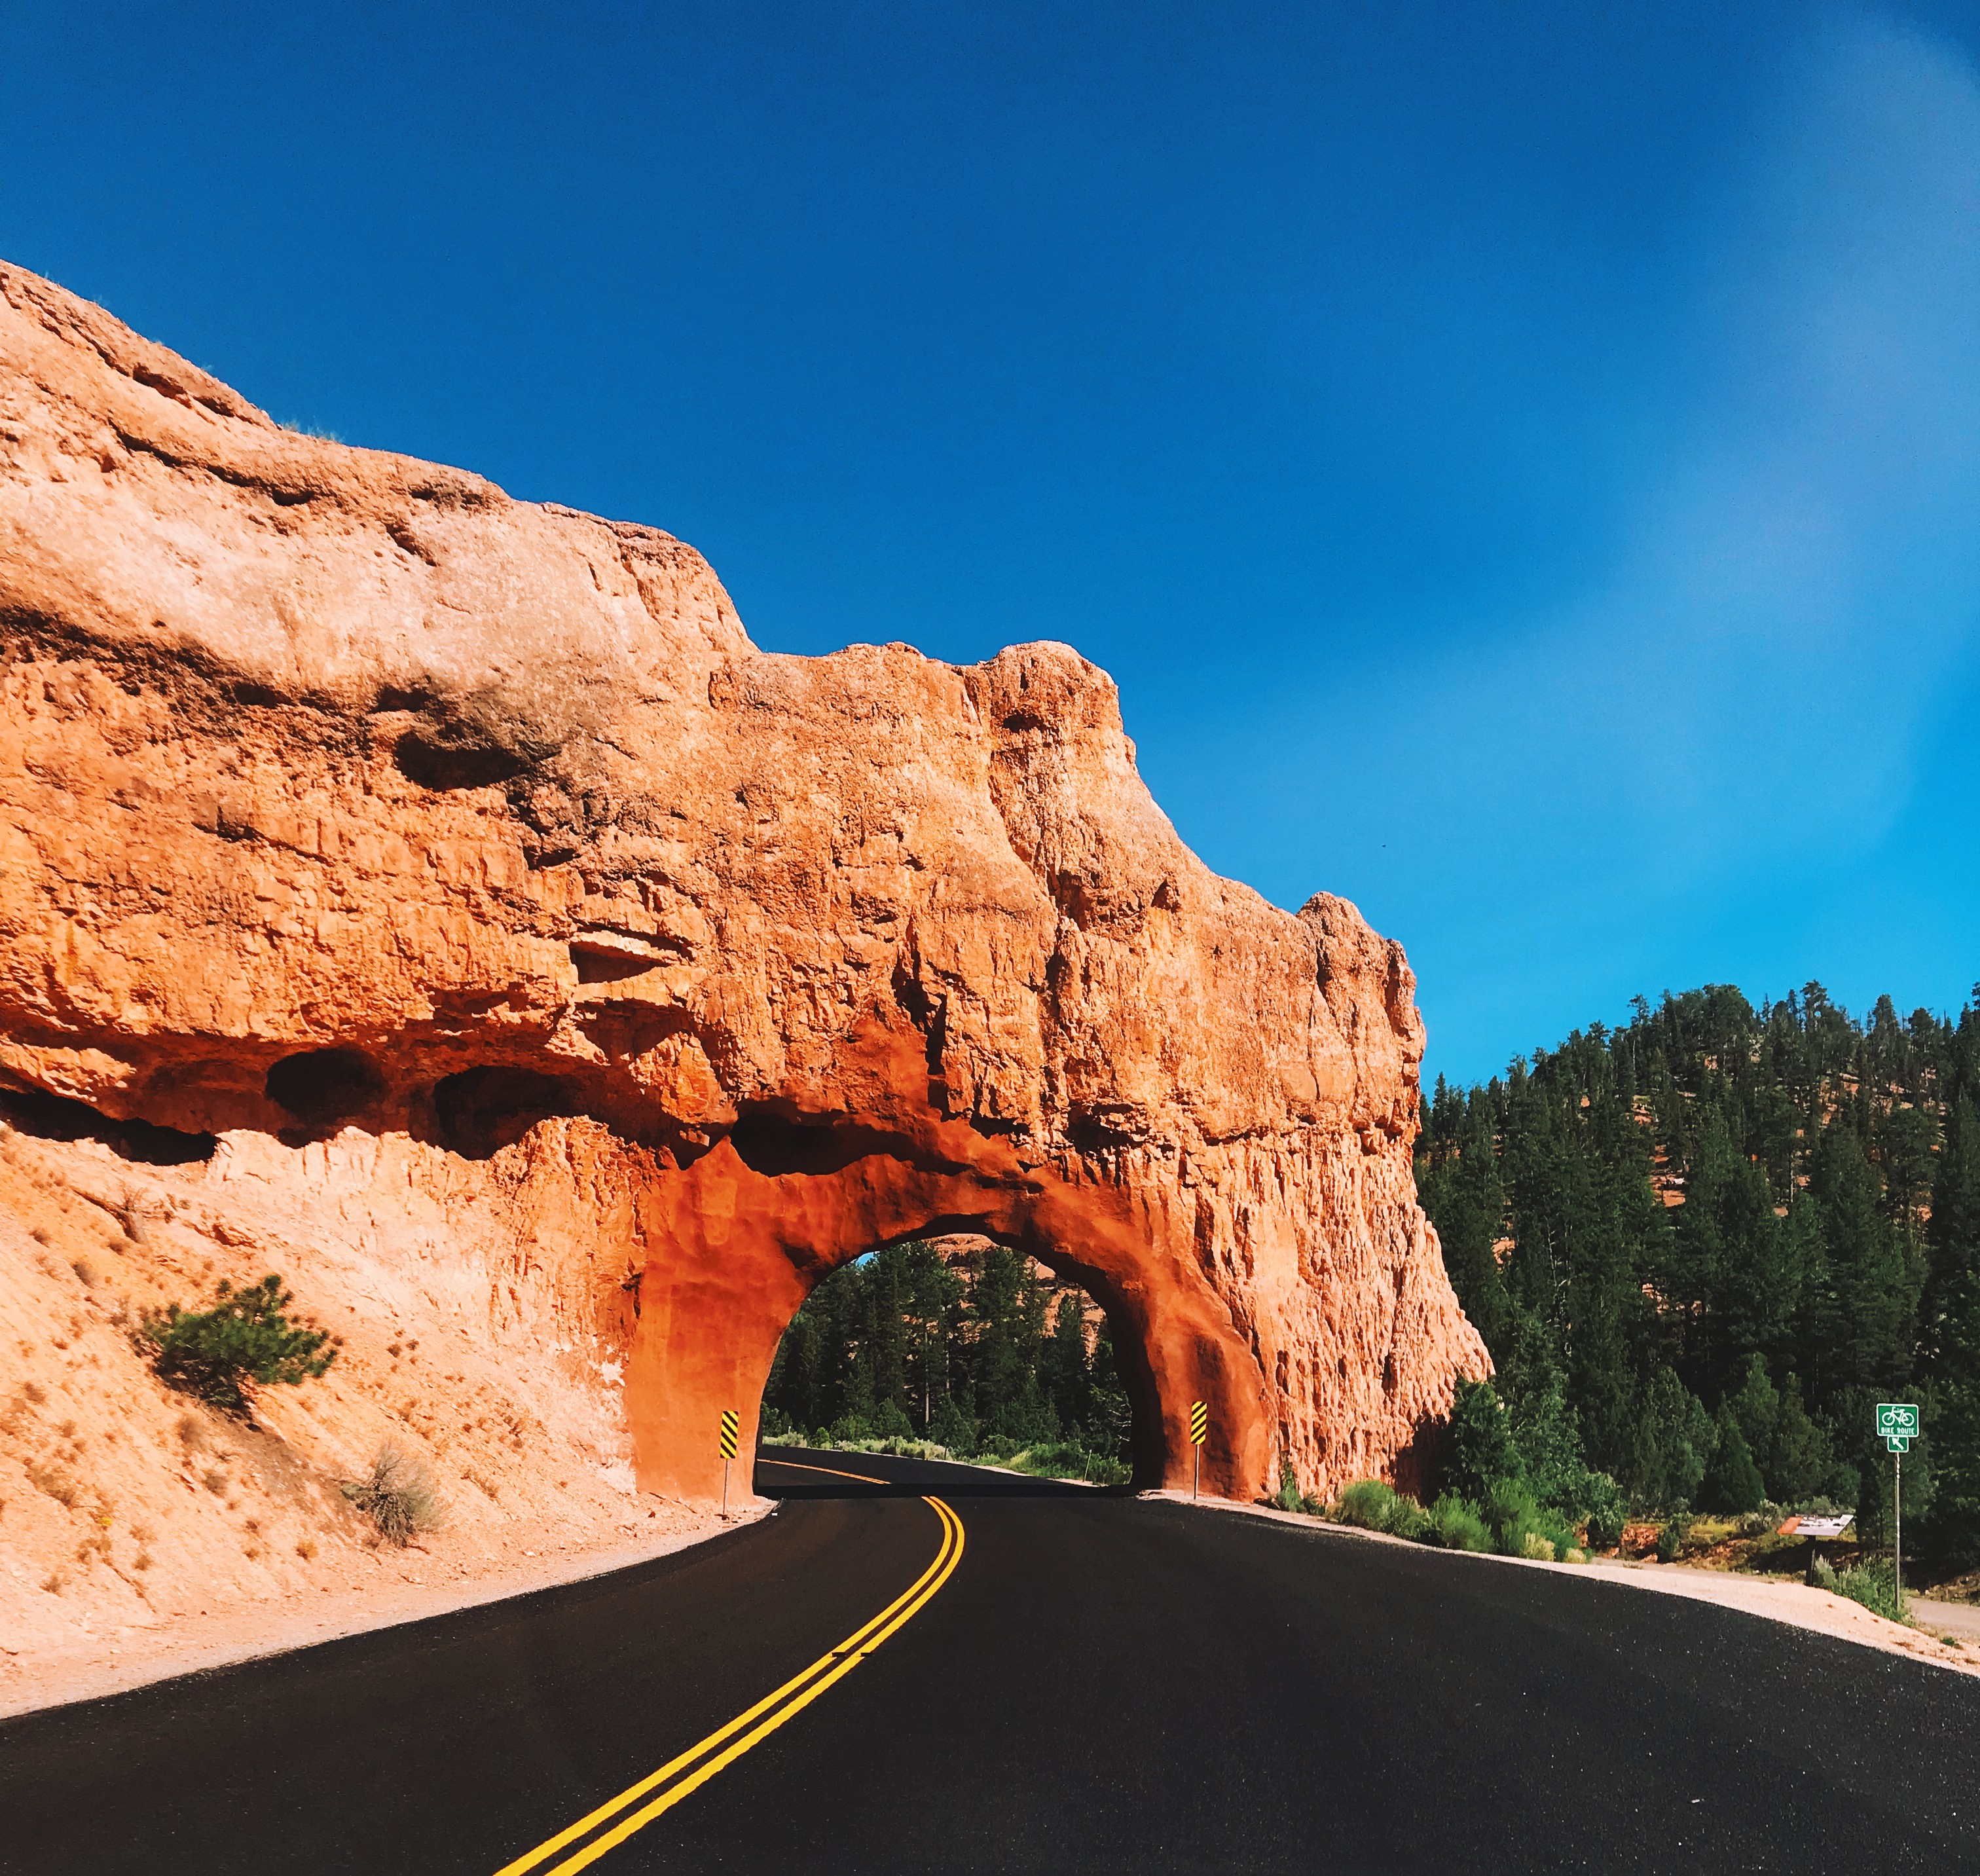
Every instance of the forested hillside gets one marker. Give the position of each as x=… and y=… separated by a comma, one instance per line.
x=978, y=1353
x=1702, y=1246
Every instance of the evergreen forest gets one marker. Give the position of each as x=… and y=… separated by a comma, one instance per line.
x=980, y=1354
x=1702, y=1246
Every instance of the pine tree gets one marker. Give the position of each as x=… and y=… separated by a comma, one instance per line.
x=1464, y=1195
x=1673, y=1439
x=1952, y=1341
x=1867, y=1307
x=1063, y=1367
x=1731, y=1481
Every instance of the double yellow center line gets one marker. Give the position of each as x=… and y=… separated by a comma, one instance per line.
x=693, y=1769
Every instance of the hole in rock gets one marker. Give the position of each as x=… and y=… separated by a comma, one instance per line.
x=51, y=1116
x=481, y=1111
x=1104, y=1128
x=775, y=1145
x=970, y=1346
x=323, y=1085
x=262, y=696
x=446, y=766
x=597, y=965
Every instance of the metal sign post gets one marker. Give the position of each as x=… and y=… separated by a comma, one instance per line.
x=729, y=1424
x=1199, y=1431
x=1897, y=1426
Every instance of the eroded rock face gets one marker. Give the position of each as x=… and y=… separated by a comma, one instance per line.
x=340, y=790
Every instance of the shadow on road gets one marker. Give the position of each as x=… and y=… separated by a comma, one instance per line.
x=775, y=1479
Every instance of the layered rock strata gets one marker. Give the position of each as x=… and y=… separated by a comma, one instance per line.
x=340, y=793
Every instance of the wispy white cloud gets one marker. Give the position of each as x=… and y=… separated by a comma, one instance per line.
x=1751, y=696
x=1805, y=580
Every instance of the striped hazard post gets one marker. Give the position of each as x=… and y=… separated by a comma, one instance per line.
x=1199, y=1431
x=729, y=1427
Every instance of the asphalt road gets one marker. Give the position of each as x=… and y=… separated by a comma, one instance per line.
x=1101, y=1683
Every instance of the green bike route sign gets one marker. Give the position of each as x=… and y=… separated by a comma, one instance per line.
x=1898, y=1424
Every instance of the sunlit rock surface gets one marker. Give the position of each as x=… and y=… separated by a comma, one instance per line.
x=340, y=791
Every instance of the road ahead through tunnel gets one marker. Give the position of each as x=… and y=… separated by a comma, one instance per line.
x=1104, y=1683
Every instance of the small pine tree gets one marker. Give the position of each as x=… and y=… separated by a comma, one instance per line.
x=1731, y=1480
x=1064, y=1368
x=245, y=1337
x=1672, y=1440
x=1482, y=1453
x=951, y=1426
x=1801, y=1458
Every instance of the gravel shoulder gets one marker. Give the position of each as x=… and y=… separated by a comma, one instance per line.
x=408, y=1585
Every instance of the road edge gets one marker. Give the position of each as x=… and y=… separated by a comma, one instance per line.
x=99, y=1679
x=1822, y=1613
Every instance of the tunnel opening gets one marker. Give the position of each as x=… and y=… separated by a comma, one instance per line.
x=958, y=1346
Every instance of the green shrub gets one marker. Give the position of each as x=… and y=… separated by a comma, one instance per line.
x=1513, y=1524
x=1520, y=1528
x=1873, y=1585
x=1289, y=1497
x=905, y=1447
x=952, y=1427
x=1407, y=1519
x=1070, y=1459
x=1376, y=1506
x=1367, y=1503
x=245, y=1337
x=399, y=1496
x=1605, y=1510
x=1456, y=1525
x=1511, y=1516
x=1671, y=1539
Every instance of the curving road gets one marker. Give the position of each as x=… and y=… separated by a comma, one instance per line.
x=1068, y=1680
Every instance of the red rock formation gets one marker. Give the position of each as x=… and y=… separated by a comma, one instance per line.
x=338, y=790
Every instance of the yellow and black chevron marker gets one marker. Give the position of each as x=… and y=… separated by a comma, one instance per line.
x=1199, y=1422
x=728, y=1452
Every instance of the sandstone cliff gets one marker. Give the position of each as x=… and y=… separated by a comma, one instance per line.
x=457, y=864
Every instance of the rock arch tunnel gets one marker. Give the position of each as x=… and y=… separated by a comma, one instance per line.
x=744, y=1248
x=346, y=799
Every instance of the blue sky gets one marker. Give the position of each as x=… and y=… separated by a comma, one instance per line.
x=1522, y=463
